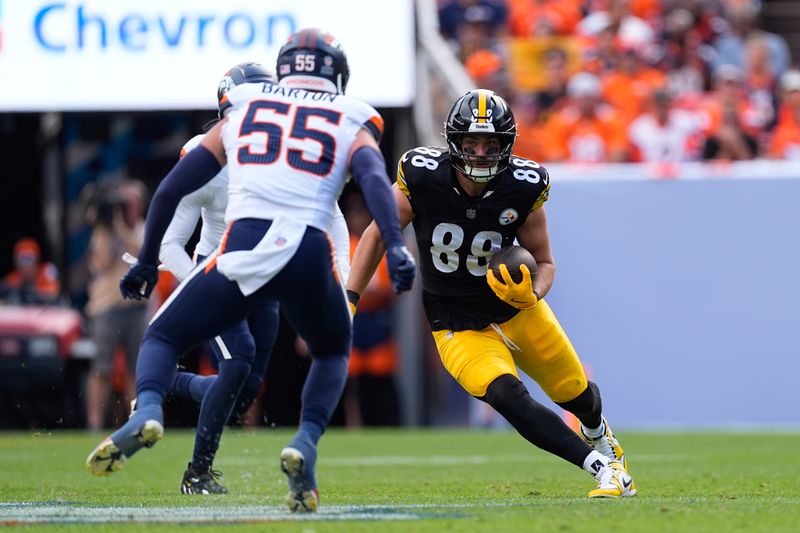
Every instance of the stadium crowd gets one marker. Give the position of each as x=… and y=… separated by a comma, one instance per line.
x=633, y=80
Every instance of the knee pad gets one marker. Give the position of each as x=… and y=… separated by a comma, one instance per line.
x=233, y=371
x=504, y=391
x=244, y=348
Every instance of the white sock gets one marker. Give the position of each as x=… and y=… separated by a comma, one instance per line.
x=596, y=432
x=594, y=462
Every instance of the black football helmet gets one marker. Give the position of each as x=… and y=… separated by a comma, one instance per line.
x=313, y=59
x=480, y=112
x=242, y=73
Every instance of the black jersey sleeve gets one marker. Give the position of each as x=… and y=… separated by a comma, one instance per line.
x=534, y=178
x=417, y=166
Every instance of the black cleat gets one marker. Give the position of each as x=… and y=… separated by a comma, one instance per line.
x=199, y=482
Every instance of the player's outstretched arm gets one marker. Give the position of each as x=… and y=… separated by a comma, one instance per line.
x=369, y=170
x=534, y=235
x=193, y=171
x=369, y=251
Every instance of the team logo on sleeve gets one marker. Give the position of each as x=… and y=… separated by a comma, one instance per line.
x=508, y=216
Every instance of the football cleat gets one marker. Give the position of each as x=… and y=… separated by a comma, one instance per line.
x=199, y=482
x=613, y=481
x=105, y=459
x=302, y=497
x=606, y=444
x=108, y=458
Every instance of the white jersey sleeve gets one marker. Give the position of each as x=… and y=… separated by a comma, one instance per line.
x=288, y=149
x=207, y=203
x=341, y=244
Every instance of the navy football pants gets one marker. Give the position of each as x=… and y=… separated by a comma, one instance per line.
x=207, y=304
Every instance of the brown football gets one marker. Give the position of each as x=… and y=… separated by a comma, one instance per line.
x=512, y=256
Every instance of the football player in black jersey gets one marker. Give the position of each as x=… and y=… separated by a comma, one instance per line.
x=466, y=202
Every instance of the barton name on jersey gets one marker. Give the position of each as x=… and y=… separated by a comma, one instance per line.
x=457, y=234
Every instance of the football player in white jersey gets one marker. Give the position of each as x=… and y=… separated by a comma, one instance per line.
x=289, y=148
x=242, y=352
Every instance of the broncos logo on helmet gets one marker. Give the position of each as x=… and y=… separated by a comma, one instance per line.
x=480, y=112
x=248, y=72
x=314, y=60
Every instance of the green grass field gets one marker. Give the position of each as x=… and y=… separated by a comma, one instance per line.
x=408, y=481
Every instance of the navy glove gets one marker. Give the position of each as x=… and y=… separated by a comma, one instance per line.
x=402, y=268
x=139, y=281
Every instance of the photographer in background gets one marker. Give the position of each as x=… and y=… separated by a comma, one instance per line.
x=116, y=213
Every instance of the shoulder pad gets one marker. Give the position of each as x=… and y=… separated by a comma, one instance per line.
x=528, y=170
x=415, y=162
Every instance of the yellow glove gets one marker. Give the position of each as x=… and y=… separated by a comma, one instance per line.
x=521, y=295
x=352, y=302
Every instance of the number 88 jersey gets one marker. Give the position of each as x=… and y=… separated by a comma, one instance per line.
x=456, y=233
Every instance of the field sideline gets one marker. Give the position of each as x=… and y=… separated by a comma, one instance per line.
x=399, y=480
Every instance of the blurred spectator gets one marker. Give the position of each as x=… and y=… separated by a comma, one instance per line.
x=555, y=90
x=629, y=86
x=371, y=397
x=455, y=14
x=531, y=133
x=760, y=82
x=730, y=142
x=116, y=215
x=539, y=18
x=729, y=95
x=618, y=19
x=742, y=17
x=473, y=25
x=682, y=56
x=587, y=130
x=665, y=134
x=785, y=142
x=487, y=70
x=31, y=282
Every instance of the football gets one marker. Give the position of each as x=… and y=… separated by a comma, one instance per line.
x=512, y=256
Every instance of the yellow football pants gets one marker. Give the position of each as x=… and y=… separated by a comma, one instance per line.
x=533, y=340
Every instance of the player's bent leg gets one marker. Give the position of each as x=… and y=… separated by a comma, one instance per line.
x=594, y=428
x=547, y=355
x=176, y=327
x=263, y=325
x=315, y=307
x=537, y=424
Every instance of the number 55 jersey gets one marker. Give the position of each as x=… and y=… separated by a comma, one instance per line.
x=457, y=234
x=287, y=150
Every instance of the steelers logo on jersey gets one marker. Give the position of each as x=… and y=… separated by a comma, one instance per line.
x=508, y=216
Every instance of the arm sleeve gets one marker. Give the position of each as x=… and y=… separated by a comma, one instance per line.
x=193, y=171
x=341, y=244
x=369, y=171
x=173, y=245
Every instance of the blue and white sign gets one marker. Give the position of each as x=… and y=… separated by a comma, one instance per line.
x=156, y=54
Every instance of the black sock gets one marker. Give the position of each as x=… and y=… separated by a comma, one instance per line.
x=539, y=425
x=587, y=406
x=217, y=406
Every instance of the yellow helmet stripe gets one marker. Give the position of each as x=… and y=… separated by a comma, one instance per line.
x=482, y=93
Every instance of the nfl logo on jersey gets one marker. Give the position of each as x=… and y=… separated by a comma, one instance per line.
x=472, y=213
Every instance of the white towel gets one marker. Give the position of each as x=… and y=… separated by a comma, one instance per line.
x=252, y=269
